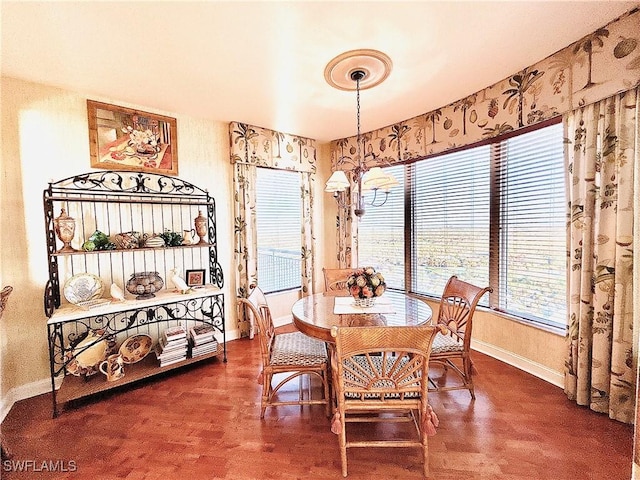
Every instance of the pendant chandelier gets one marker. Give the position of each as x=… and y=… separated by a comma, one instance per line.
x=358, y=70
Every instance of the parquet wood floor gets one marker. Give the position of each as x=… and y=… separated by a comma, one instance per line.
x=203, y=423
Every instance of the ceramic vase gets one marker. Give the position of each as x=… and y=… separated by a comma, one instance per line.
x=201, y=228
x=65, y=228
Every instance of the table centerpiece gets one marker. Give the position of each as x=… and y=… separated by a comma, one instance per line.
x=365, y=284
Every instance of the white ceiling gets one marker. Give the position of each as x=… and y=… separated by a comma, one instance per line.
x=263, y=62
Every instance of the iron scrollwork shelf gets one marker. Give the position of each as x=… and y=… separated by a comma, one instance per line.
x=122, y=201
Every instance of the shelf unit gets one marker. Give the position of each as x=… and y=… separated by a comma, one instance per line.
x=119, y=202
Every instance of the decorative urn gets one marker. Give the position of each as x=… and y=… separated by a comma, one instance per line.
x=65, y=228
x=201, y=228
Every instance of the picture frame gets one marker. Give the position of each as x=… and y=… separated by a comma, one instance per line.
x=195, y=278
x=122, y=138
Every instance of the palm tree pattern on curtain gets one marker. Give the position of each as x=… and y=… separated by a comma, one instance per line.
x=594, y=67
x=253, y=147
x=600, y=151
x=244, y=232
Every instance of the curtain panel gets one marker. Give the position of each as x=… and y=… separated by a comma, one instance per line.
x=244, y=233
x=253, y=147
x=601, y=153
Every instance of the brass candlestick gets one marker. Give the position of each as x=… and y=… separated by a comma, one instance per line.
x=65, y=228
x=201, y=228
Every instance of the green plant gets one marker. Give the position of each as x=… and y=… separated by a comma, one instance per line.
x=98, y=241
x=171, y=239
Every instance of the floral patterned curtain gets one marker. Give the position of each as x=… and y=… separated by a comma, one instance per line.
x=308, y=251
x=244, y=231
x=253, y=147
x=346, y=230
x=601, y=150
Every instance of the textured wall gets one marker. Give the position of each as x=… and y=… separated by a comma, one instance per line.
x=45, y=137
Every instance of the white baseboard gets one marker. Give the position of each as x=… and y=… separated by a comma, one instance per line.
x=232, y=335
x=537, y=370
x=23, y=392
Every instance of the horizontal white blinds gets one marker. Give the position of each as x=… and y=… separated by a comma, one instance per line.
x=450, y=231
x=381, y=232
x=278, y=218
x=492, y=215
x=532, y=241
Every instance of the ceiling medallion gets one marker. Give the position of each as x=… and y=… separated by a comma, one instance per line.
x=372, y=66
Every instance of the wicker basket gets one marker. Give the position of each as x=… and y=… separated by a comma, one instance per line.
x=365, y=302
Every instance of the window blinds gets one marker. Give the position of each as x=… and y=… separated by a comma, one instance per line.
x=381, y=233
x=531, y=243
x=493, y=214
x=278, y=218
x=450, y=215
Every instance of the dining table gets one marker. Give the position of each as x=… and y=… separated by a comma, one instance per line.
x=315, y=314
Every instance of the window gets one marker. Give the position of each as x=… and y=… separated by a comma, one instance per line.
x=278, y=218
x=493, y=214
x=381, y=233
x=450, y=220
x=531, y=212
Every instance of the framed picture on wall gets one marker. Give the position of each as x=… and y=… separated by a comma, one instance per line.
x=125, y=139
x=195, y=278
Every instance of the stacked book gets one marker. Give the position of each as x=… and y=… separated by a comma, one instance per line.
x=172, y=346
x=202, y=340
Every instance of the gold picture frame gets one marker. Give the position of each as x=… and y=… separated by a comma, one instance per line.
x=122, y=138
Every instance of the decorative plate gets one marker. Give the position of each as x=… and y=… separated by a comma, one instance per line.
x=83, y=287
x=135, y=348
x=89, y=353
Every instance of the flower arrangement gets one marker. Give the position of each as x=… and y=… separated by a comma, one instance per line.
x=143, y=142
x=366, y=283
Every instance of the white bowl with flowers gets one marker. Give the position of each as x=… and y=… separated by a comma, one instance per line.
x=365, y=285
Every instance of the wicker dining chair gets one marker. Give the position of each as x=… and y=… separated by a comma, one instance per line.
x=335, y=280
x=380, y=374
x=451, y=350
x=292, y=354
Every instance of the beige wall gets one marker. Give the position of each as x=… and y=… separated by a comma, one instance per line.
x=535, y=350
x=45, y=137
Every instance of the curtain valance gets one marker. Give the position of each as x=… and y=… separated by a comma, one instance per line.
x=262, y=147
x=595, y=67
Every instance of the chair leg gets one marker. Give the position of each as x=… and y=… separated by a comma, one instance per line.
x=474, y=370
x=343, y=447
x=301, y=388
x=327, y=393
x=266, y=392
x=468, y=367
x=425, y=457
x=5, y=453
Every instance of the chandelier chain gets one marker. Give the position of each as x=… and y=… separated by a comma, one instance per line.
x=358, y=117
x=355, y=174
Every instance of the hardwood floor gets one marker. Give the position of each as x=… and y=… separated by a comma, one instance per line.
x=203, y=423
